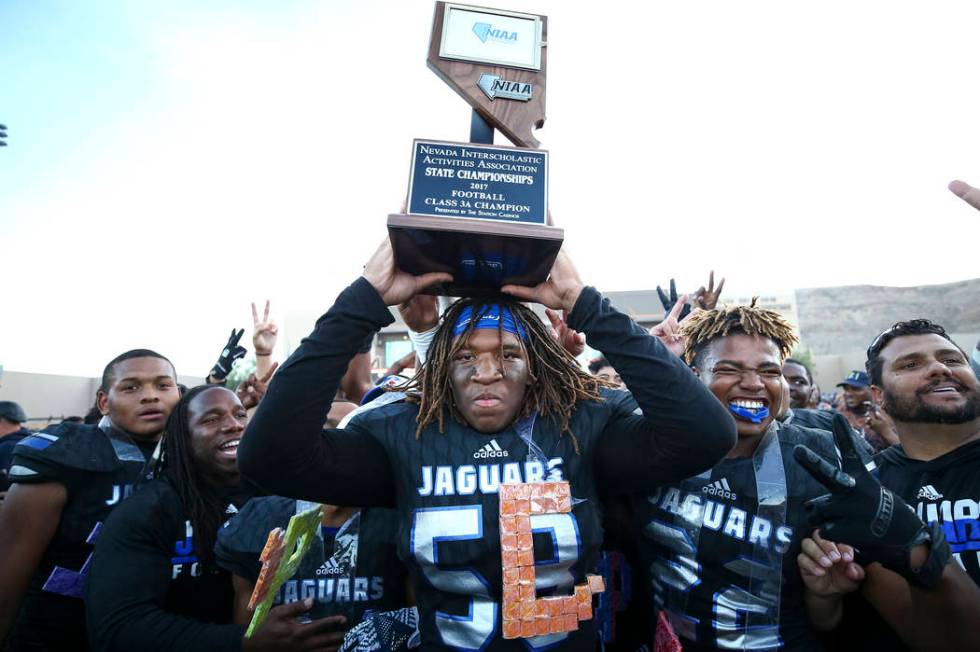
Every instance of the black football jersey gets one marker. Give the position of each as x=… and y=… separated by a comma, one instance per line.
x=448, y=507
x=375, y=581
x=99, y=469
x=151, y=587
x=714, y=586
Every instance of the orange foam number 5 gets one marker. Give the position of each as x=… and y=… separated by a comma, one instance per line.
x=525, y=615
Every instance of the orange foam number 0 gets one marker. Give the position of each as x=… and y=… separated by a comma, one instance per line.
x=525, y=615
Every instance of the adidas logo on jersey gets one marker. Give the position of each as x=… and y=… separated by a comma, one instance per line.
x=719, y=488
x=330, y=567
x=492, y=449
x=929, y=493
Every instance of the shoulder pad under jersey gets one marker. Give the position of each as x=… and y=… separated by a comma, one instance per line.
x=248, y=530
x=79, y=447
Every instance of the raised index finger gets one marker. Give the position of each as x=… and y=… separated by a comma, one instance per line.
x=823, y=471
x=266, y=316
x=255, y=315
x=844, y=440
x=966, y=192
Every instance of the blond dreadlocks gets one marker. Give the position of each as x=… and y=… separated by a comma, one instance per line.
x=709, y=325
x=556, y=380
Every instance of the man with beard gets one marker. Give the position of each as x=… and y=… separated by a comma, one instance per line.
x=927, y=386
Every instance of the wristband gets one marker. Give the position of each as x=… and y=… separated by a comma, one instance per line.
x=929, y=574
x=263, y=355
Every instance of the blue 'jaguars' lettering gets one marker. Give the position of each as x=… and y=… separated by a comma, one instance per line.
x=959, y=519
x=467, y=479
x=119, y=492
x=342, y=589
x=716, y=516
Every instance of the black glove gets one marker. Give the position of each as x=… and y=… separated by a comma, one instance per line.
x=229, y=354
x=669, y=301
x=860, y=512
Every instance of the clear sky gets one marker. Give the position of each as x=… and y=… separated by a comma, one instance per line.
x=170, y=161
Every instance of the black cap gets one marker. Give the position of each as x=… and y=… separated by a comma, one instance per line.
x=12, y=412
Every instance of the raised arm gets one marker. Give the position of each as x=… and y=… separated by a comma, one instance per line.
x=681, y=428
x=285, y=449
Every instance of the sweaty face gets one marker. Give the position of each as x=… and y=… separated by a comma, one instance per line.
x=489, y=378
x=926, y=379
x=745, y=372
x=609, y=375
x=142, y=393
x=799, y=384
x=217, y=420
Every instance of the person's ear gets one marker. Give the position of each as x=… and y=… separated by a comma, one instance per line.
x=102, y=402
x=877, y=394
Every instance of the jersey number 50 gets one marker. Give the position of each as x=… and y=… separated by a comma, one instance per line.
x=436, y=526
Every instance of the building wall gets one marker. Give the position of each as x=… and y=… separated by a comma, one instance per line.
x=48, y=398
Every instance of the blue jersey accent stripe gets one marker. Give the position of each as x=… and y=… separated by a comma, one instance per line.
x=38, y=441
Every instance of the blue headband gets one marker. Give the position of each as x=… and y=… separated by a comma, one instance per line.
x=489, y=317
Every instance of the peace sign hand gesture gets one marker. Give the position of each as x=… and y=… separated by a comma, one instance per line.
x=265, y=332
x=251, y=390
x=670, y=300
x=708, y=299
x=669, y=330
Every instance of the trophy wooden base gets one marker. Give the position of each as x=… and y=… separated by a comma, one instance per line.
x=481, y=255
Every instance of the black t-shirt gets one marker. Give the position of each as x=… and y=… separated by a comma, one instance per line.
x=149, y=589
x=378, y=581
x=98, y=469
x=947, y=490
x=713, y=573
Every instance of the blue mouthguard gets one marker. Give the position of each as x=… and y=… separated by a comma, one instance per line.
x=755, y=416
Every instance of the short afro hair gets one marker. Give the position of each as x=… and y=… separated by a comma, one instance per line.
x=710, y=325
x=129, y=355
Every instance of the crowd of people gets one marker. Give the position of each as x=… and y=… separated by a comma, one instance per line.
x=725, y=502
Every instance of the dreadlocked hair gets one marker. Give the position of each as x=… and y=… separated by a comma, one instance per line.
x=557, y=382
x=709, y=325
x=200, y=499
